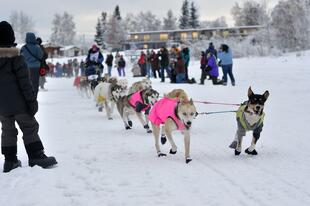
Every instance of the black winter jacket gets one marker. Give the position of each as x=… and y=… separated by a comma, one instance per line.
x=16, y=92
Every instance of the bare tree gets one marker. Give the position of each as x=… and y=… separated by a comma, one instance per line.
x=21, y=23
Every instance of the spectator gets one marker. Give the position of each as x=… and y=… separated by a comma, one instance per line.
x=42, y=79
x=212, y=69
x=180, y=70
x=155, y=64
x=18, y=103
x=148, y=64
x=186, y=57
x=203, y=65
x=109, y=63
x=121, y=66
x=225, y=56
x=142, y=63
x=211, y=50
x=164, y=63
x=33, y=56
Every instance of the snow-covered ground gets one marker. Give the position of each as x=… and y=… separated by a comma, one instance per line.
x=100, y=163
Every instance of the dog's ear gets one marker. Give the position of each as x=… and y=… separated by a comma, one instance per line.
x=250, y=92
x=266, y=94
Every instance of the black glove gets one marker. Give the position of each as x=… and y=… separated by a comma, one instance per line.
x=33, y=107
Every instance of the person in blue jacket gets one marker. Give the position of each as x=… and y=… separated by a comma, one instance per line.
x=94, y=61
x=225, y=56
x=33, y=55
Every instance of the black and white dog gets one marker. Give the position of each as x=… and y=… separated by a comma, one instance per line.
x=250, y=117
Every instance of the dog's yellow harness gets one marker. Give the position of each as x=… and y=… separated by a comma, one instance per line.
x=100, y=99
x=241, y=118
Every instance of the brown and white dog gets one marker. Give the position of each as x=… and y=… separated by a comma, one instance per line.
x=174, y=114
x=140, y=85
x=137, y=103
x=250, y=117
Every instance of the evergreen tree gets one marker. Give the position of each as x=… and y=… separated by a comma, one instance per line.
x=170, y=21
x=184, y=18
x=104, y=28
x=99, y=35
x=117, y=13
x=193, y=21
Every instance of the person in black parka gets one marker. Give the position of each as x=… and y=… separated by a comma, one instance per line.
x=18, y=104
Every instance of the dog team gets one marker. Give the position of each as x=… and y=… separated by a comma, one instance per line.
x=174, y=111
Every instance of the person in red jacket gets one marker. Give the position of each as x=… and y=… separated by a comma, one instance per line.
x=142, y=64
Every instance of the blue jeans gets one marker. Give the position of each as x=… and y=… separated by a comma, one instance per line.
x=148, y=70
x=180, y=78
x=227, y=69
x=162, y=72
x=110, y=71
x=121, y=71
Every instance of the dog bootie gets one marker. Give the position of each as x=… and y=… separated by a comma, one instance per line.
x=130, y=123
x=163, y=139
x=188, y=160
x=172, y=152
x=237, y=152
x=254, y=152
x=10, y=165
x=40, y=159
x=233, y=145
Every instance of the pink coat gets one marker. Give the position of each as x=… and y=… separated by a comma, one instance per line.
x=164, y=109
x=136, y=97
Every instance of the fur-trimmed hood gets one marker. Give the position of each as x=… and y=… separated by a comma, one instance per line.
x=9, y=52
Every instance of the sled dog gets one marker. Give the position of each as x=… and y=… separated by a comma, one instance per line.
x=174, y=114
x=140, y=85
x=108, y=93
x=250, y=117
x=139, y=102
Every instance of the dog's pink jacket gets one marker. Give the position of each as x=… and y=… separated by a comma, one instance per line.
x=164, y=109
x=136, y=97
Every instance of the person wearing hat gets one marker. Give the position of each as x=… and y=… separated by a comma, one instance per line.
x=33, y=56
x=18, y=104
x=94, y=60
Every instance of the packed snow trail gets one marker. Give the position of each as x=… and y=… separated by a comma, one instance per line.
x=100, y=163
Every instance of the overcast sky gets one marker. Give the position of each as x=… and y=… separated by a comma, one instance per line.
x=86, y=12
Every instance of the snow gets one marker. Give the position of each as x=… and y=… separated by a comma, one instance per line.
x=100, y=163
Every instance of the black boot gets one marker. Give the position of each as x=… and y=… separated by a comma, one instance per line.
x=10, y=164
x=40, y=159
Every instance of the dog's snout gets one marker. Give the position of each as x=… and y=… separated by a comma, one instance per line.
x=189, y=123
x=257, y=107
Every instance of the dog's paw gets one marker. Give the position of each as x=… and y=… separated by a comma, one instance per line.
x=110, y=118
x=172, y=152
x=130, y=123
x=188, y=160
x=163, y=139
x=233, y=145
x=161, y=154
x=127, y=127
x=237, y=152
x=100, y=109
x=254, y=152
x=146, y=126
x=149, y=131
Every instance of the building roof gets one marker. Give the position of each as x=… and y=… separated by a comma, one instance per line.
x=198, y=29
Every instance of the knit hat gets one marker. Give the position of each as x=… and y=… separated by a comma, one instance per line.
x=7, y=37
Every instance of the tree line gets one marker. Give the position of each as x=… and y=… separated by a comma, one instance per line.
x=287, y=25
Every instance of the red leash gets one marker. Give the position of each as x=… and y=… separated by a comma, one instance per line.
x=218, y=103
